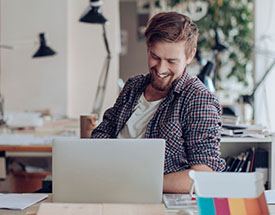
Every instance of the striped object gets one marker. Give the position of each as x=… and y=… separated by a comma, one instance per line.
x=233, y=206
x=224, y=193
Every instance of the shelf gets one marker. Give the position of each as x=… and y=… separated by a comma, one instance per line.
x=245, y=140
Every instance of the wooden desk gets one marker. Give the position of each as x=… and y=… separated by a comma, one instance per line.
x=229, y=147
x=33, y=209
x=27, y=150
x=32, y=155
x=48, y=130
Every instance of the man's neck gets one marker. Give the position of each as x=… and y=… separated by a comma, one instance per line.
x=151, y=94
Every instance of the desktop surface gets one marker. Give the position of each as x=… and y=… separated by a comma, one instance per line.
x=33, y=209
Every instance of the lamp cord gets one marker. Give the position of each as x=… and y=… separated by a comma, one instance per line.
x=105, y=40
x=262, y=79
x=100, y=93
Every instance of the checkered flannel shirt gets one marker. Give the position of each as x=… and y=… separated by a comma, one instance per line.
x=188, y=119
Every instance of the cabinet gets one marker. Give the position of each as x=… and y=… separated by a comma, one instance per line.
x=232, y=146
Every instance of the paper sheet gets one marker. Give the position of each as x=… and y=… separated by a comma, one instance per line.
x=270, y=196
x=25, y=139
x=179, y=201
x=20, y=201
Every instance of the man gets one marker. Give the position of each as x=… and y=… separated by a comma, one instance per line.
x=167, y=103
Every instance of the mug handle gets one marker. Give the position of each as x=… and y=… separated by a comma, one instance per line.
x=191, y=192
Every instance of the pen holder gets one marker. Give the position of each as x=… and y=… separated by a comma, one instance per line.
x=222, y=193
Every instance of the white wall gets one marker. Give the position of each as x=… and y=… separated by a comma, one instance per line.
x=265, y=43
x=86, y=57
x=65, y=83
x=135, y=61
x=30, y=84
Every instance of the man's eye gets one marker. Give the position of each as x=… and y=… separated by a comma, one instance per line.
x=171, y=61
x=155, y=57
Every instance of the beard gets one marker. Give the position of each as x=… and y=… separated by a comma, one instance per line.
x=158, y=85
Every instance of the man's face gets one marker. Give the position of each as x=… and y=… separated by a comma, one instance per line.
x=166, y=62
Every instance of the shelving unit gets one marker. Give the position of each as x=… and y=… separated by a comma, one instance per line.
x=231, y=146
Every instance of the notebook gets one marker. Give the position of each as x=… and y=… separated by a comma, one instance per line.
x=108, y=170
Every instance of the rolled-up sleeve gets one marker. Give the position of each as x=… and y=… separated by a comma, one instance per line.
x=113, y=117
x=203, y=131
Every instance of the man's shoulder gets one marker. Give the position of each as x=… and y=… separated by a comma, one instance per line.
x=195, y=87
x=195, y=92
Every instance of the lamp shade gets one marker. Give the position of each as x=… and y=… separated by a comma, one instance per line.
x=43, y=50
x=204, y=76
x=94, y=14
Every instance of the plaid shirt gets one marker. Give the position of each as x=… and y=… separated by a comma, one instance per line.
x=188, y=119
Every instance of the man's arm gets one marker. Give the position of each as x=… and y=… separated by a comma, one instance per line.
x=203, y=126
x=180, y=182
x=108, y=127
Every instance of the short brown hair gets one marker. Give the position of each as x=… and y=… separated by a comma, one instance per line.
x=172, y=27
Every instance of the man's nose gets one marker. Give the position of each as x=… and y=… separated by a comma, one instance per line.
x=162, y=67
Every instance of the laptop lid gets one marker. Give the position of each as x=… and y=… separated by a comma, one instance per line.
x=108, y=170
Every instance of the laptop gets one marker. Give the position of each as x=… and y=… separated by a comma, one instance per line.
x=108, y=170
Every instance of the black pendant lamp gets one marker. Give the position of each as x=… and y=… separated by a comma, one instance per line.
x=94, y=14
x=43, y=50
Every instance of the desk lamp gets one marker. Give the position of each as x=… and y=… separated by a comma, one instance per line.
x=94, y=16
x=218, y=48
x=43, y=51
x=204, y=76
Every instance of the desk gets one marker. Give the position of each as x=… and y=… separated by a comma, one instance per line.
x=33, y=209
x=27, y=150
x=229, y=147
x=35, y=155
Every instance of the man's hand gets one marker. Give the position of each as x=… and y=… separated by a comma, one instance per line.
x=180, y=182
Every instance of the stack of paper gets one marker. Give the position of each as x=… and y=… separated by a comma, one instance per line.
x=24, y=139
x=24, y=119
x=20, y=201
x=256, y=131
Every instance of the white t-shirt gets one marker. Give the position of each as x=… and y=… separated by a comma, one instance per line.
x=136, y=125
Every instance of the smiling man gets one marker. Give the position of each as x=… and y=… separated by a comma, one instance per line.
x=168, y=103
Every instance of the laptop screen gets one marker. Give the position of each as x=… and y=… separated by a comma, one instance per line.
x=108, y=170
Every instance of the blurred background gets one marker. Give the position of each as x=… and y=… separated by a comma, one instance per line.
x=237, y=37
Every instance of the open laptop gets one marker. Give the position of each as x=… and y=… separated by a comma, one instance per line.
x=108, y=170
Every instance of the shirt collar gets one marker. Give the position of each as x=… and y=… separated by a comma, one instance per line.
x=179, y=85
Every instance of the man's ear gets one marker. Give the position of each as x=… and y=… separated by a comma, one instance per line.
x=192, y=55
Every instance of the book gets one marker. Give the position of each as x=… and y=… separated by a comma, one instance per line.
x=242, y=166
